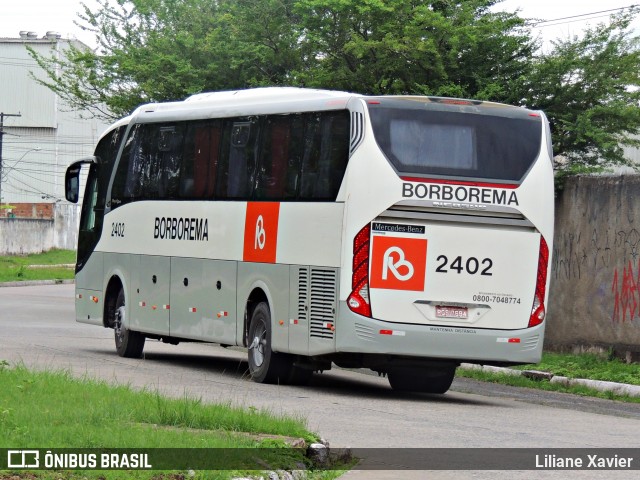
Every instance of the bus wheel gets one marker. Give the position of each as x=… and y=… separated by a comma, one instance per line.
x=423, y=380
x=265, y=365
x=299, y=375
x=128, y=343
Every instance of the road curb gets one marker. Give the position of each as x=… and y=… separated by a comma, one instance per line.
x=600, y=385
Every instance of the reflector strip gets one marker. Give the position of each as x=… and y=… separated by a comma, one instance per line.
x=222, y=314
x=193, y=310
x=507, y=340
x=142, y=304
x=79, y=295
x=293, y=321
x=399, y=333
x=166, y=307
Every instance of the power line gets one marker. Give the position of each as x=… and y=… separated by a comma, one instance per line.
x=537, y=23
x=2, y=115
x=33, y=189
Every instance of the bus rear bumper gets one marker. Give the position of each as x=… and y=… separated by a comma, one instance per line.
x=358, y=334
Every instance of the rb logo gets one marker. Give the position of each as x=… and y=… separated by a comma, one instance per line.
x=398, y=263
x=261, y=232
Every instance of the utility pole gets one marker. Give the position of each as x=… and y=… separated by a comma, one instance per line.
x=2, y=115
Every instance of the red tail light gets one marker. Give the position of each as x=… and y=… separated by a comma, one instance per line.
x=358, y=300
x=538, y=310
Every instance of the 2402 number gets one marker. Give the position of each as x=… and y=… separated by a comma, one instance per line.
x=117, y=229
x=472, y=265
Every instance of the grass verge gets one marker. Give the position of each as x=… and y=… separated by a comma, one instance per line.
x=54, y=410
x=15, y=268
x=587, y=366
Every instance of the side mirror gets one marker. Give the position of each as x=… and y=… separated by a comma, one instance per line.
x=72, y=184
x=72, y=179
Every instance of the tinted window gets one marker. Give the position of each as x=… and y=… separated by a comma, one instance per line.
x=200, y=160
x=278, y=176
x=486, y=143
x=96, y=190
x=150, y=164
x=277, y=157
x=91, y=217
x=326, y=152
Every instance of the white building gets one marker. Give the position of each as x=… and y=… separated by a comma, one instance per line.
x=45, y=138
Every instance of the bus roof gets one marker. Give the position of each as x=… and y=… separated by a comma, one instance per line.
x=274, y=100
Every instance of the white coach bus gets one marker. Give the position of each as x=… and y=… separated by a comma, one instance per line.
x=403, y=234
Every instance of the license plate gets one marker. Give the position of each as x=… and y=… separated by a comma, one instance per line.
x=443, y=311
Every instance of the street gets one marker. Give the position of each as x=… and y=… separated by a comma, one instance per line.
x=346, y=408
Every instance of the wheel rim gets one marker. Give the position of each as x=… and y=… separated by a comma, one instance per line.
x=258, y=344
x=119, y=321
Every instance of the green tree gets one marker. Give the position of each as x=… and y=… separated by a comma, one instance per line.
x=159, y=50
x=589, y=87
x=444, y=47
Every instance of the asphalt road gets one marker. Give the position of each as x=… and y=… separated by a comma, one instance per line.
x=346, y=408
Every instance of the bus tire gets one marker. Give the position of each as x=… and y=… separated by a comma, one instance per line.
x=299, y=375
x=265, y=365
x=129, y=344
x=429, y=380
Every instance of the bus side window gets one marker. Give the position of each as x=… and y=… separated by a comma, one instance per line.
x=240, y=160
x=325, y=156
x=200, y=162
x=237, y=163
x=279, y=165
x=338, y=152
x=106, y=152
x=170, y=146
x=127, y=176
x=308, y=174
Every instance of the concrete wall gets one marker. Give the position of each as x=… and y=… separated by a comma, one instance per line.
x=595, y=282
x=22, y=236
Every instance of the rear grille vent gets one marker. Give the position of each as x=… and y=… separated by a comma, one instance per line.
x=303, y=293
x=322, y=302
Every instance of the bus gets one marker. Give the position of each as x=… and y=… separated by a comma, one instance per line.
x=401, y=234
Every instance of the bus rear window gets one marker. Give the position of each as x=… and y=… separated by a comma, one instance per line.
x=457, y=142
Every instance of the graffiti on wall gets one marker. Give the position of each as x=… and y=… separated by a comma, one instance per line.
x=574, y=256
x=626, y=292
x=577, y=257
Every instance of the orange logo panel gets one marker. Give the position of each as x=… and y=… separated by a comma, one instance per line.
x=261, y=232
x=398, y=263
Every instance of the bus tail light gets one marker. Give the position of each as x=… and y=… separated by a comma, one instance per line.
x=538, y=310
x=358, y=300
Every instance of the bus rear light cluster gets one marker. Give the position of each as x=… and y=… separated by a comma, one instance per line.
x=537, y=310
x=358, y=300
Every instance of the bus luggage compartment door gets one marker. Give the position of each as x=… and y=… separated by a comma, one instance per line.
x=467, y=275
